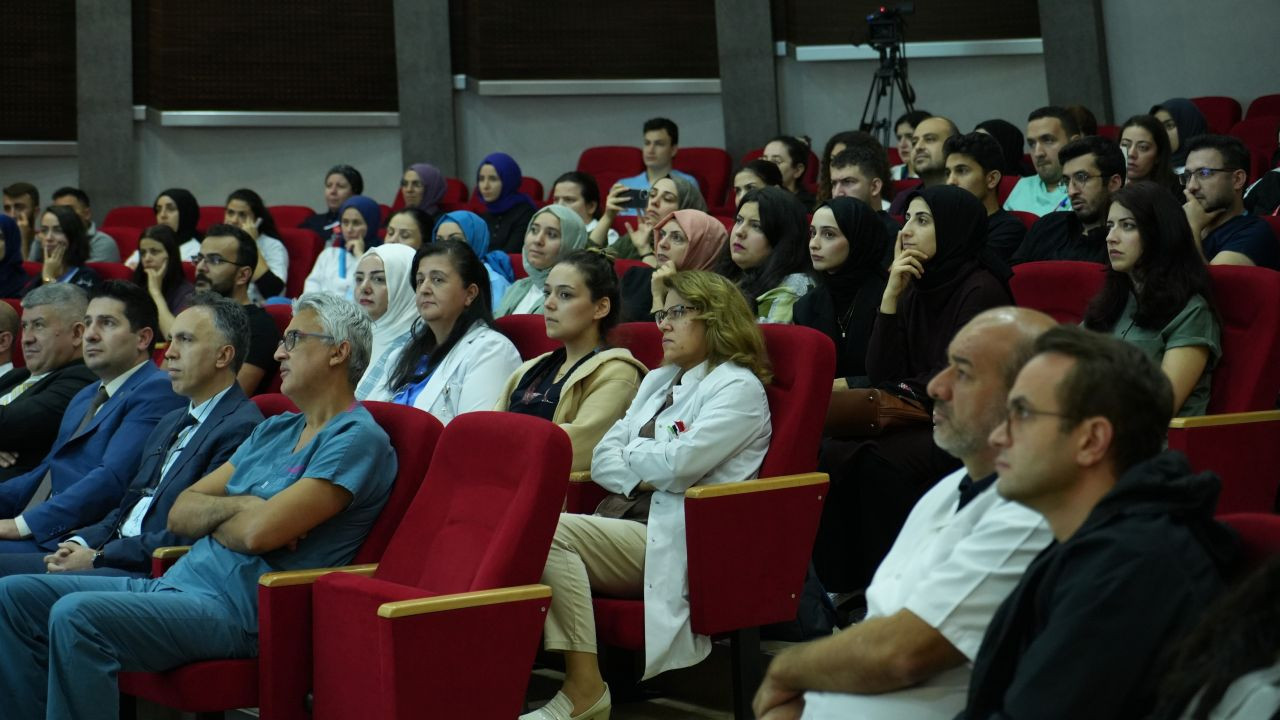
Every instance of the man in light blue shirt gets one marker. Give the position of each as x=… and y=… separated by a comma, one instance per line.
x=661, y=142
x=1048, y=129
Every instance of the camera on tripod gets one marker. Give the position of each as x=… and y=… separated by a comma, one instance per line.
x=887, y=27
x=886, y=32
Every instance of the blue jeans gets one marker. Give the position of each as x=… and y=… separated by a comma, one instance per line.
x=66, y=637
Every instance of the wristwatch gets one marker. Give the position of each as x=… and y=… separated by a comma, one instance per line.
x=97, y=558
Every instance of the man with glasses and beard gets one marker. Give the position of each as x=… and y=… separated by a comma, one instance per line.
x=225, y=265
x=1215, y=177
x=1093, y=168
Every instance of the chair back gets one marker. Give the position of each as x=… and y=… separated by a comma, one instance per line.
x=126, y=238
x=1060, y=288
x=643, y=339
x=528, y=333
x=303, y=247
x=710, y=166
x=17, y=357
x=1264, y=106
x=1006, y=187
x=622, y=265
x=414, y=435
x=804, y=361
x=290, y=216
x=138, y=216
x=1259, y=536
x=1220, y=112
x=1026, y=218
x=270, y=404
x=1247, y=376
x=517, y=265
x=111, y=271
x=615, y=160
x=210, y=215
x=487, y=508
x=1257, y=133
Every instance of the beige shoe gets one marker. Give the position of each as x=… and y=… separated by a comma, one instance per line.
x=560, y=707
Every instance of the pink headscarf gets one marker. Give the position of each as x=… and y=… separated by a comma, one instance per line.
x=707, y=237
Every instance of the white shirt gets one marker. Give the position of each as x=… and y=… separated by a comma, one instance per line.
x=952, y=569
x=613, y=234
x=324, y=275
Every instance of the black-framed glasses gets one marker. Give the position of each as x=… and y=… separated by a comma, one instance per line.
x=1020, y=412
x=213, y=260
x=290, y=339
x=673, y=313
x=1203, y=173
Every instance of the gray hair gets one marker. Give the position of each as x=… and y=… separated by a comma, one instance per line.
x=70, y=302
x=344, y=321
x=229, y=320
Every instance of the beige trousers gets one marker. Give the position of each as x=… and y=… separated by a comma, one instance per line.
x=589, y=553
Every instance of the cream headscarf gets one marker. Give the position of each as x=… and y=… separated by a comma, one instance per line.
x=402, y=311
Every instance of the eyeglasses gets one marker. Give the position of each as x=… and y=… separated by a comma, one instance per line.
x=1202, y=173
x=1019, y=413
x=290, y=339
x=674, y=313
x=213, y=260
x=1082, y=178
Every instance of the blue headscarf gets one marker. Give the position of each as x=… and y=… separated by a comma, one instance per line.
x=371, y=213
x=476, y=231
x=12, y=278
x=510, y=175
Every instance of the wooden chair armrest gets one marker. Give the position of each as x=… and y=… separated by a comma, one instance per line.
x=757, y=485
x=442, y=603
x=581, y=476
x=1224, y=419
x=170, y=552
x=285, y=578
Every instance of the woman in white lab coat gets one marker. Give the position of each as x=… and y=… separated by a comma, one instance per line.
x=700, y=419
x=454, y=361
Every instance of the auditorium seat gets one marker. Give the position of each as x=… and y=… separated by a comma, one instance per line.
x=1061, y=289
x=1257, y=133
x=616, y=160
x=1259, y=536
x=278, y=680
x=447, y=625
x=517, y=265
x=622, y=265
x=528, y=333
x=139, y=216
x=32, y=268
x=17, y=358
x=1110, y=132
x=643, y=339
x=710, y=166
x=897, y=187
x=727, y=222
x=290, y=216
x=1220, y=112
x=189, y=270
x=532, y=188
x=1264, y=106
x=210, y=215
x=303, y=247
x=1006, y=186
x=282, y=314
x=126, y=238
x=1028, y=219
x=111, y=271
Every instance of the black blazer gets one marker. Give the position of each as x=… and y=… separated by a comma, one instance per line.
x=30, y=423
x=230, y=423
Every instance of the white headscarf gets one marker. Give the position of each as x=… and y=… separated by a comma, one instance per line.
x=402, y=311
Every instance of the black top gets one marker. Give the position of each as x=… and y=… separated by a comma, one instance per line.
x=317, y=223
x=1005, y=233
x=30, y=423
x=506, y=229
x=637, y=294
x=849, y=327
x=264, y=336
x=806, y=198
x=891, y=227
x=1061, y=236
x=1248, y=235
x=1264, y=197
x=538, y=392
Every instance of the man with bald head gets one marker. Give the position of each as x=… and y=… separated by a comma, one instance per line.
x=928, y=156
x=961, y=551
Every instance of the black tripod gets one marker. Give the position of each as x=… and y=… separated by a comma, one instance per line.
x=891, y=73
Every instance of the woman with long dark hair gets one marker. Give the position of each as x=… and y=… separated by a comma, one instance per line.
x=160, y=272
x=1157, y=294
x=244, y=209
x=1145, y=145
x=66, y=250
x=767, y=254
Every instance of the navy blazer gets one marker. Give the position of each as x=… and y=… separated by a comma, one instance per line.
x=227, y=426
x=92, y=468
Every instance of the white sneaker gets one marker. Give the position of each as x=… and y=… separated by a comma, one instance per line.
x=560, y=707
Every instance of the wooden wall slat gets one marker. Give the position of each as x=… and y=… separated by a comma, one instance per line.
x=38, y=55
x=833, y=22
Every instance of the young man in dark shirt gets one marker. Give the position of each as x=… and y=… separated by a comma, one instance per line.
x=1094, y=168
x=973, y=163
x=1215, y=177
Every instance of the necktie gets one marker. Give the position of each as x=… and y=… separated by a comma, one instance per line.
x=46, y=483
x=169, y=449
x=16, y=392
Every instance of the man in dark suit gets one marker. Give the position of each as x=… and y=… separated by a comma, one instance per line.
x=100, y=442
x=210, y=339
x=33, y=399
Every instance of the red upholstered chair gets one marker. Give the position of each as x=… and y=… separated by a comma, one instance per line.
x=643, y=339
x=210, y=215
x=1258, y=133
x=1110, y=132
x=111, y=271
x=278, y=680
x=290, y=216
x=749, y=543
x=1220, y=112
x=528, y=333
x=897, y=187
x=1240, y=438
x=32, y=268
x=455, y=191
x=1060, y=288
x=126, y=238
x=533, y=188
x=619, y=160
x=727, y=222
x=1264, y=106
x=303, y=247
x=139, y=216
x=1259, y=535
x=448, y=623
x=18, y=359
x=1028, y=219
x=711, y=167
x=1006, y=186
x=282, y=315
x=189, y=270
x=517, y=265
x=270, y=404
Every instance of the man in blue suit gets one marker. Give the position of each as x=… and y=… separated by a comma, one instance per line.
x=210, y=340
x=103, y=431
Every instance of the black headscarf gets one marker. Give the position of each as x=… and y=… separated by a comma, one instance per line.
x=1190, y=122
x=868, y=242
x=1010, y=139
x=188, y=213
x=960, y=232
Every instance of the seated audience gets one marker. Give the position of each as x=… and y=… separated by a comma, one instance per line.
x=754, y=175
x=340, y=183
x=585, y=386
x=160, y=272
x=665, y=197
x=470, y=228
x=711, y=382
x=102, y=247
x=579, y=192
x=1216, y=173
x=838, y=143
x=245, y=210
x=861, y=171
x=554, y=232
x=661, y=143
x=686, y=240
x=178, y=209
x=22, y=203
x=791, y=155
x=507, y=210
x=12, y=277
x=766, y=255
x=454, y=362
x=1048, y=130
x=1093, y=168
x=336, y=264
x=1158, y=294
x=1146, y=147
x=1010, y=139
x=1183, y=122
x=411, y=227
x=384, y=290
x=1263, y=196
x=100, y=438
x=1137, y=554
x=973, y=163
x=422, y=186
x=961, y=551
x=225, y=266
x=210, y=340
x=10, y=325
x=941, y=278
x=846, y=243
x=904, y=130
x=66, y=251
x=1084, y=118
x=33, y=399
x=302, y=492
x=928, y=160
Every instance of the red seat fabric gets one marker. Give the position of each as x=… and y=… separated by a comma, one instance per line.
x=270, y=404
x=32, y=268
x=517, y=265
x=111, y=271
x=454, y=191
x=528, y=333
x=1264, y=106
x=533, y=189
x=126, y=238
x=727, y=222
x=1257, y=133
x=1028, y=219
x=1247, y=376
x=17, y=358
x=189, y=270
x=290, y=216
x=900, y=186
x=1259, y=535
x=1059, y=288
x=619, y=160
x=622, y=265
x=710, y=166
x=139, y=216
x=1220, y=112
x=210, y=215
x=1006, y=186
x=481, y=521
x=278, y=681
x=1110, y=132
x=643, y=339
x=303, y=247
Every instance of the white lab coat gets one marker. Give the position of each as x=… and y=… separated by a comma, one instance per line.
x=725, y=418
x=471, y=376
x=324, y=275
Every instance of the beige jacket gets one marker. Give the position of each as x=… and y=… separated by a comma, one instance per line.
x=592, y=399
